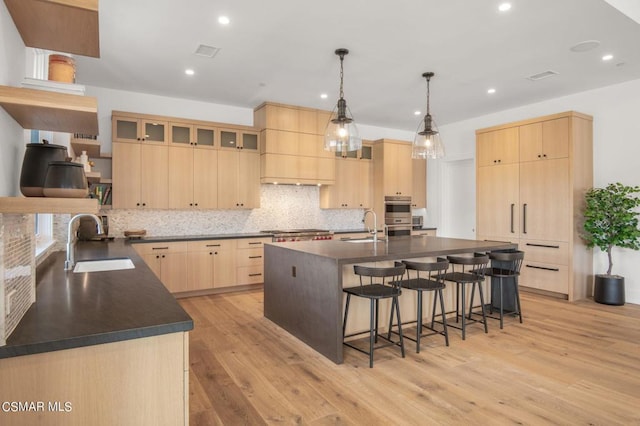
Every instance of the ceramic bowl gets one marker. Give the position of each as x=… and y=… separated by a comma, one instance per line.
x=65, y=180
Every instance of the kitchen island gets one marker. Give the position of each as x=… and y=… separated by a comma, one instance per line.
x=98, y=348
x=304, y=280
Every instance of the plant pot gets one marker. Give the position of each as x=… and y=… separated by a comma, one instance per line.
x=609, y=289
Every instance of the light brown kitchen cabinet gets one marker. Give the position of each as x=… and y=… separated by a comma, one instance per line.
x=545, y=140
x=354, y=178
x=545, y=200
x=393, y=172
x=192, y=134
x=537, y=200
x=419, y=185
x=168, y=261
x=239, y=170
x=500, y=146
x=211, y=264
x=173, y=163
x=131, y=129
x=193, y=177
x=292, y=145
x=250, y=260
x=394, y=158
x=497, y=202
x=140, y=177
x=238, y=179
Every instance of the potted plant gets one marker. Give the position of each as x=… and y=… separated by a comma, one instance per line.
x=611, y=220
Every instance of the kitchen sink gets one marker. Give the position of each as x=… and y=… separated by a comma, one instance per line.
x=103, y=265
x=364, y=240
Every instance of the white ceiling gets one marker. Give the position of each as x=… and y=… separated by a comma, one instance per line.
x=283, y=51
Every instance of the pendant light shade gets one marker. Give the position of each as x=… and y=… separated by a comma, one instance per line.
x=427, y=143
x=341, y=133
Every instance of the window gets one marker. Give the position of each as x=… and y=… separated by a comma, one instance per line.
x=44, y=233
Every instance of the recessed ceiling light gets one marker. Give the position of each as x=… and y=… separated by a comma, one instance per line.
x=607, y=57
x=189, y=71
x=491, y=91
x=585, y=46
x=416, y=112
x=504, y=7
x=224, y=20
x=324, y=96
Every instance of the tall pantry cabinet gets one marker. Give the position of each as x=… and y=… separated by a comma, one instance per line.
x=531, y=178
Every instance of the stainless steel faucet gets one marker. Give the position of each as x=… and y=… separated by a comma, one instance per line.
x=71, y=256
x=375, y=224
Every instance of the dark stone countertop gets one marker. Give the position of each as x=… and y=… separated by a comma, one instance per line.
x=395, y=248
x=82, y=309
x=176, y=238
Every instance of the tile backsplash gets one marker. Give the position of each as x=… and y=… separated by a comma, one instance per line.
x=281, y=207
x=17, y=270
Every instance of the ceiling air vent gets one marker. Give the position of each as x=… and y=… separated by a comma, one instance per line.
x=542, y=75
x=208, y=51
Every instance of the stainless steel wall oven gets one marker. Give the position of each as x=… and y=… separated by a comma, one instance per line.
x=397, y=215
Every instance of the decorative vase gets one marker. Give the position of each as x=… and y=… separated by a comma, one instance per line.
x=609, y=289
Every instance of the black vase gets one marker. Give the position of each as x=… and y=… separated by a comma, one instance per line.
x=609, y=289
x=34, y=166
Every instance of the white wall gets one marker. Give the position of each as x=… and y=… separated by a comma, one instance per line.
x=616, y=149
x=12, y=60
x=118, y=100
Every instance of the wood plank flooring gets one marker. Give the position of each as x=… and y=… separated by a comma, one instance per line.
x=569, y=363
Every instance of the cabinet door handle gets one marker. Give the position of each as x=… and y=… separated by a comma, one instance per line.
x=212, y=245
x=524, y=218
x=542, y=267
x=255, y=257
x=159, y=248
x=255, y=275
x=255, y=242
x=512, y=207
x=543, y=245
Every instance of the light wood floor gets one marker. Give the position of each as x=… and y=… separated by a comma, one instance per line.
x=569, y=363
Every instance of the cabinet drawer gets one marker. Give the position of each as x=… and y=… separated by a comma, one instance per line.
x=545, y=251
x=429, y=233
x=150, y=248
x=251, y=257
x=205, y=245
x=249, y=243
x=250, y=275
x=545, y=276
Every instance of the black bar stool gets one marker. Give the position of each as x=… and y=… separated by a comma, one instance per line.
x=462, y=273
x=429, y=280
x=506, y=265
x=387, y=287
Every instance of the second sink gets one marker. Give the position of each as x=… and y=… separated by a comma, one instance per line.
x=103, y=265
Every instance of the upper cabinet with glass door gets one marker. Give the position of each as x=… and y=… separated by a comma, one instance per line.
x=184, y=134
x=239, y=139
x=139, y=130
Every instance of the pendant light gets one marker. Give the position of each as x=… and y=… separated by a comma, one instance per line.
x=427, y=143
x=341, y=133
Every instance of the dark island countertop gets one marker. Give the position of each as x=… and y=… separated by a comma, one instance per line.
x=346, y=252
x=82, y=309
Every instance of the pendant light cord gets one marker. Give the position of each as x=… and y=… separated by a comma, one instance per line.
x=341, y=76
